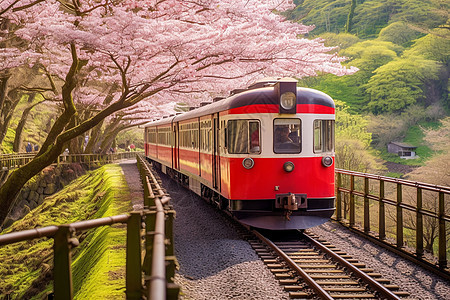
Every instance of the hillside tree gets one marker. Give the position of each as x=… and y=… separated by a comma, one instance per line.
x=153, y=51
x=400, y=83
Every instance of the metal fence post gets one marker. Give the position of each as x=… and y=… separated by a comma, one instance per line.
x=442, y=233
x=338, y=198
x=62, y=272
x=133, y=257
x=381, y=213
x=419, y=226
x=169, y=232
x=150, y=220
x=352, y=201
x=366, y=206
x=399, y=216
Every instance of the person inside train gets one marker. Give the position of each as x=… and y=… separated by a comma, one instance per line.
x=286, y=138
x=282, y=135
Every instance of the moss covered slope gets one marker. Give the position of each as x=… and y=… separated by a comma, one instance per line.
x=98, y=262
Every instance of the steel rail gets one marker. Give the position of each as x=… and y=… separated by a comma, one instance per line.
x=311, y=282
x=366, y=278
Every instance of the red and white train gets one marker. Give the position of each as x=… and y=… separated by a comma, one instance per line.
x=265, y=154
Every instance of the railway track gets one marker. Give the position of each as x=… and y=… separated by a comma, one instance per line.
x=308, y=268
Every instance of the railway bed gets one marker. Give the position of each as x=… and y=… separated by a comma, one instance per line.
x=216, y=262
x=309, y=268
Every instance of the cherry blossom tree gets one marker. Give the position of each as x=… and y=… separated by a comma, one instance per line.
x=115, y=54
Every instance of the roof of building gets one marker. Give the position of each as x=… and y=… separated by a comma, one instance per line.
x=403, y=145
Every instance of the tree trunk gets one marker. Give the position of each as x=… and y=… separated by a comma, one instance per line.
x=109, y=140
x=11, y=188
x=3, y=86
x=348, y=26
x=93, y=139
x=18, y=137
x=9, y=106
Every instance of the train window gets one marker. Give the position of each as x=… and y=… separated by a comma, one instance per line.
x=243, y=137
x=323, y=136
x=287, y=136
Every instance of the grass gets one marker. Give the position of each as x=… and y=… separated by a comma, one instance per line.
x=99, y=260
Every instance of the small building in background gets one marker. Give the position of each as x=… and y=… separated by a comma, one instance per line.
x=403, y=150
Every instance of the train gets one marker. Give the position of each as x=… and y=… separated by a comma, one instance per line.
x=264, y=154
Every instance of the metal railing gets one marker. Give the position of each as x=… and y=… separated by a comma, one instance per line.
x=152, y=278
x=16, y=160
x=159, y=268
x=409, y=216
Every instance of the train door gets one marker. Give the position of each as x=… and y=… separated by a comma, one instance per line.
x=176, y=148
x=216, y=153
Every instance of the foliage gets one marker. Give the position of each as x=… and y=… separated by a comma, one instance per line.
x=341, y=40
x=343, y=88
x=367, y=56
x=26, y=272
x=369, y=16
x=439, y=136
x=353, y=141
x=400, y=83
x=433, y=46
x=398, y=33
x=394, y=127
x=371, y=54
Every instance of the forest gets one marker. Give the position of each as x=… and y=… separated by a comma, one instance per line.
x=399, y=94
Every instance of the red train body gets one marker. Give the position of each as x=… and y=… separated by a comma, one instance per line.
x=265, y=154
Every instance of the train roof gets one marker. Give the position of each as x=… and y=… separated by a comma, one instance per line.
x=256, y=94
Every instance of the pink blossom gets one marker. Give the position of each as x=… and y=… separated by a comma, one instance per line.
x=164, y=49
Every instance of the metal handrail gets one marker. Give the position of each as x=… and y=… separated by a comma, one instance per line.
x=16, y=160
x=160, y=268
x=158, y=218
x=346, y=213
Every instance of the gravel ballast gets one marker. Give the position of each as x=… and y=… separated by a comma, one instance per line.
x=411, y=278
x=216, y=263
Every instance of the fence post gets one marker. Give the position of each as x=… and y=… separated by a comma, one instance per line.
x=133, y=257
x=419, y=222
x=366, y=206
x=381, y=213
x=352, y=201
x=442, y=233
x=338, y=198
x=150, y=222
x=62, y=272
x=399, y=216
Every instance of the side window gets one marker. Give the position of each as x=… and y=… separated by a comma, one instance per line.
x=255, y=142
x=243, y=136
x=323, y=136
x=287, y=136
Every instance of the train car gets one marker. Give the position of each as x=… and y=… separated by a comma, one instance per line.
x=265, y=154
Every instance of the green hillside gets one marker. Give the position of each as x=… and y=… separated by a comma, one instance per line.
x=402, y=50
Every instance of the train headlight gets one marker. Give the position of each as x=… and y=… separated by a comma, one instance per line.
x=288, y=100
x=288, y=166
x=327, y=161
x=248, y=163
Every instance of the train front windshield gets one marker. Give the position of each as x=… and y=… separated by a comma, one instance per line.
x=286, y=136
